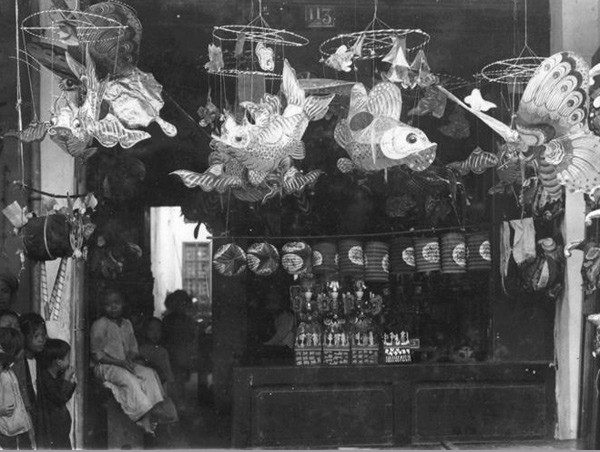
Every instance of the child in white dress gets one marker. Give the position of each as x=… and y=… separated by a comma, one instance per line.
x=115, y=353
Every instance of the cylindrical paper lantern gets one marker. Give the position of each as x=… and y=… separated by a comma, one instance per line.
x=351, y=258
x=324, y=258
x=453, y=253
x=427, y=254
x=479, y=252
x=377, y=262
x=296, y=258
x=263, y=258
x=230, y=260
x=402, y=256
x=47, y=238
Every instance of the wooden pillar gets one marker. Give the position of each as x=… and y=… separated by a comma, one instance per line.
x=57, y=174
x=574, y=27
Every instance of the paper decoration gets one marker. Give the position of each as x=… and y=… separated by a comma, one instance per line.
x=373, y=135
x=256, y=158
x=478, y=162
x=230, y=260
x=477, y=102
x=263, y=258
x=343, y=57
x=266, y=59
x=551, y=122
x=215, y=59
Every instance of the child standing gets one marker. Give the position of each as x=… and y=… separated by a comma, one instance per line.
x=55, y=389
x=33, y=329
x=15, y=423
x=114, y=350
x=155, y=355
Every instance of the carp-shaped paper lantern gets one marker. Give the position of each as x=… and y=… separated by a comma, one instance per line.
x=351, y=258
x=453, y=253
x=377, y=264
x=479, y=251
x=230, y=260
x=263, y=258
x=427, y=254
x=402, y=256
x=374, y=137
x=296, y=258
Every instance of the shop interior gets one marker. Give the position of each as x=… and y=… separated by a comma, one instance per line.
x=358, y=198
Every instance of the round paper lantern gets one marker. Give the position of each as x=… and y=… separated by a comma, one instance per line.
x=479, y=252
x=402, y=256
x=454, y=255
x=263, y=258
x=230, y=260
x=296, y=258
x=324, y=258
x=427, y=254
x=351, y=258
x=377, y=266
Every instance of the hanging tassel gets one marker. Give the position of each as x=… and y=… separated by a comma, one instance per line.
x=44, y=283
x=58, y=289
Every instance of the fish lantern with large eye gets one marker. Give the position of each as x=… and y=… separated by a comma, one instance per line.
x=374, y=137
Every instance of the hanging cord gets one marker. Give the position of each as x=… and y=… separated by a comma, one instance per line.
x=19, y=94
x=344, y=236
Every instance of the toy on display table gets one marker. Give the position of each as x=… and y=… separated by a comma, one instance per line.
x=364, y=338
x=336, y=340
x=308, y=346
x=398, y=348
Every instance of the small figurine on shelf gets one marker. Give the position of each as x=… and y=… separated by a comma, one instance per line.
x=360, y=288
x=371, y=339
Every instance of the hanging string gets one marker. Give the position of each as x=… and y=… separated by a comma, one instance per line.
x=28, y=65
x=19, y=95
x=345, y=236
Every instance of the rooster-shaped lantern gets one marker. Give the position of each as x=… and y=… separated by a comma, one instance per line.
x=552, y=132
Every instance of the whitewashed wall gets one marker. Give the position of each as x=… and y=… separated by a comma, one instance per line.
x=169, y=232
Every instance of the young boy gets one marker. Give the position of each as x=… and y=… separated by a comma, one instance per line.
x=114, y=350
x=55, y=388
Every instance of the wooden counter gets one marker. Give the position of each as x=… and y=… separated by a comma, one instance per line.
x=387, y=405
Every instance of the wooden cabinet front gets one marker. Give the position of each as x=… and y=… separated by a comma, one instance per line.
x=391, y=405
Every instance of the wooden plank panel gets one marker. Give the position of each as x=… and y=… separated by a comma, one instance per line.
x=467, y=411
x=326, y=416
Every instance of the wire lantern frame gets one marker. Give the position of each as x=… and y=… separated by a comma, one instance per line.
x=257, y=31
x=377, y=39
x=84, y=24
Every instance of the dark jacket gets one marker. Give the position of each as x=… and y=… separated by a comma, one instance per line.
x=54, y=420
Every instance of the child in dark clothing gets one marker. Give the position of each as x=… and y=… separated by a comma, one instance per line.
x=55, y=388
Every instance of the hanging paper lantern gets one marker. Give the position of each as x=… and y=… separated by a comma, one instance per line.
x=377, y=262
x=296, y=258
x=402, y=256
x=479, y=251
x=427, y=254
x=324, y=258
x=47, y=238
x=263, y=258
x=454, y=253
x=230, y=260
x=351, y=258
